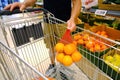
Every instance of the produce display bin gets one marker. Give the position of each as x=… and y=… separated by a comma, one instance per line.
x=92, y=56
x=111, y=69
x=96, y=57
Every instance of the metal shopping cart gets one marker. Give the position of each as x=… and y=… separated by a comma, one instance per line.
x=24, y=55
x=14, y=67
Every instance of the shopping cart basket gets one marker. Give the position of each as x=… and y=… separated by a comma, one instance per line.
x=14, y=67
x=24, y=35
x=26, y=38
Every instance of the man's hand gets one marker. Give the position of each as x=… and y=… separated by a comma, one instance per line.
x=19, y=5
x=71, y=24
x=12, y=6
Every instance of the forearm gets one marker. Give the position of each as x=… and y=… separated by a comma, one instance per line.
x=76, y=8
x=29, y=2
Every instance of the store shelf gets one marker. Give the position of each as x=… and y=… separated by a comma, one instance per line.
x=39, y=3
x=109, y=12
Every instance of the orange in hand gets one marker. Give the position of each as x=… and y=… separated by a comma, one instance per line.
x=67, y=60
x=70, y=48
x=76, y=56
x=75, y=42
x=59, y=47
x=59, y=57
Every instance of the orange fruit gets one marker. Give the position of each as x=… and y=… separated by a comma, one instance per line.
x=67, y=60
x=91, y=49
x=103, y=33
x=59, y=57
x=75, y=42
x=89, y=44
x=98, y=32
x=59, y=47
x=76, y=56
x=69, y=48
x=97, y=47
x=86, y=36
x=106, y=36
x=80, y=41
x=103, y=47
x=40, y=78
x=76, y=37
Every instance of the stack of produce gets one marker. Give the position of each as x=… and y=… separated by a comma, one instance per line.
x=67, y=54
x=112, y=58
x=92, y=43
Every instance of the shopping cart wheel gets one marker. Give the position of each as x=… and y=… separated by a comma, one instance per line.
x=63, y=76
x=65, y=73
x=51, y=66
x=51, y=71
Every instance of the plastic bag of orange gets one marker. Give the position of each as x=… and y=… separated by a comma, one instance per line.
x=67, y=53
x=66, y=38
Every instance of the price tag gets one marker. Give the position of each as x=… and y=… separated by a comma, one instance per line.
x=101, y=12
x=82, y=9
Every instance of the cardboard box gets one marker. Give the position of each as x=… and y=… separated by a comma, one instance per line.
x=111, y=32
x=106, y=6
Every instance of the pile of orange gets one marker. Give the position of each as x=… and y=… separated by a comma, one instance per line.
x=90, y=42
x=102, y=33
x=67, y=54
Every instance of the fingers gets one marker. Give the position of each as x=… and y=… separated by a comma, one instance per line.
x=22, y=7
x=72, y=28
x=14, y=5
x=7, y=7
x=71, y=25
x=11, y=7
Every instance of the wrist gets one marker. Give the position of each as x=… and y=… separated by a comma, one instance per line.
x=73, y=19
x=28, y=3
x=24, y=3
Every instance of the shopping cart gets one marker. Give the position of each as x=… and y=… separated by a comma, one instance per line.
x=14, y=67
x=24, y=37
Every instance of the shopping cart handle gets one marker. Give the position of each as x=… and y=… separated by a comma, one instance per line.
x=16, y=11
